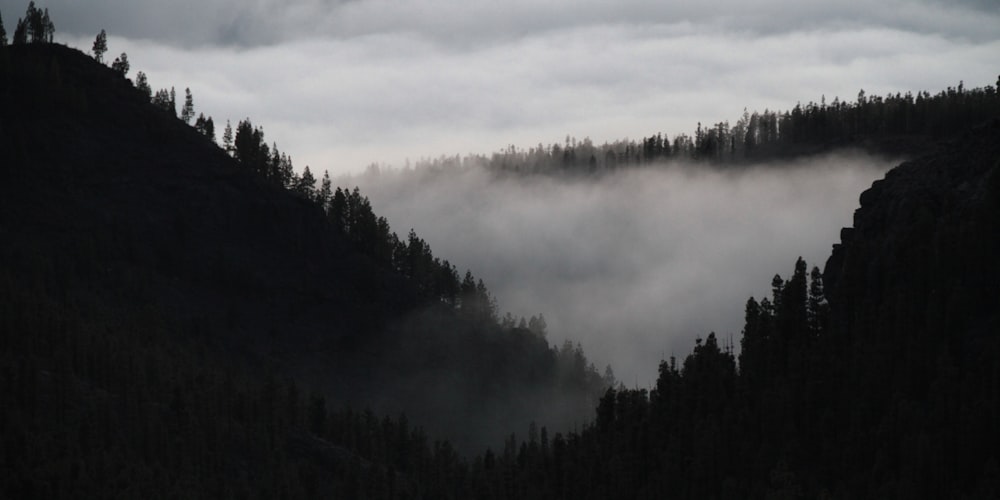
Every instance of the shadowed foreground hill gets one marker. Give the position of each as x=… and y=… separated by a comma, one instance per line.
x=143, y=271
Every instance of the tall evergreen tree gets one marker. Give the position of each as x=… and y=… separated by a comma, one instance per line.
x=227, y=138
x=325, y=191
x=3, y=33
x=100, y=46
x=36, y=27
x=161, y=99
x=307, y=184
x=121, y=65
x=20, y=33
x=187, y=112
x=205, y=126
x=142, y=83
x=210, y=128
x=819, y=309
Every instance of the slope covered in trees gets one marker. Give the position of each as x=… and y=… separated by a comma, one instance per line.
x=148, y=276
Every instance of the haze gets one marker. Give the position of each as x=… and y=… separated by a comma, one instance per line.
x=637, y=264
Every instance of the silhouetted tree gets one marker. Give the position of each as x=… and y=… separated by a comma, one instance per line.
x=36, y=27
x=325, y=193
x=307, y=184
x=120, y=64
x=100, y=46
x=3, y=33
x=20, y=33
x=819, y=309
x=142, y=83
x=161, y=99
x=187, y=111
x=205, y=125
x=227, y=138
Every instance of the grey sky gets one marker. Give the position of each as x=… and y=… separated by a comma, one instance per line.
x=341, y=84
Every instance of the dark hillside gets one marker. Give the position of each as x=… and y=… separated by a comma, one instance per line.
x=916, y=311
x=121, y=191
x=113, y=208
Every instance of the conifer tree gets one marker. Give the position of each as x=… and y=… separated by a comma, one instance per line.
x=205, y=126
x=3, y=33
x=36, y=27
x=210, y=128
x=307, y=184
x=100, y=46
x=227, y=138
x=325, y=190
x=142, y=83
x=20, y=33
x=120, y=64
x=161, y=99
x=47, y=28
x=187, y=112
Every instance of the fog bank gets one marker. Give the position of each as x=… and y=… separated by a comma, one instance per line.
x=638, y=263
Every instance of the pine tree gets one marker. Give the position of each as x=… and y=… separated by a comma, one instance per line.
x=819, y=309
x=187, y=112
x=307, y=184
x=325, y=191
x=142, y=83
x=20, y=33
x=121, y=64
x=100, y=46
x=210, y=128
x=36, y=27
x=48, y=29
x=161, y=99
x=3, y=33
x=227, y=138
x=201, y=124
x=173, y=101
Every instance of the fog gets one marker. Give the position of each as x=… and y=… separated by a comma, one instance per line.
x=634, y=265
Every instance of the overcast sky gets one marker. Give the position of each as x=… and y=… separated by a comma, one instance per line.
x=341, y=84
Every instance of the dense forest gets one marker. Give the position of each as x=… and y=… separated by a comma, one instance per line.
x=180, y=318
x=895, y=125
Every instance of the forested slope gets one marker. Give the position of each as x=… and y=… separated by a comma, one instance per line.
x=168, y=314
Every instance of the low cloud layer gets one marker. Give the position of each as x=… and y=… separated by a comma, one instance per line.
x=639, y=264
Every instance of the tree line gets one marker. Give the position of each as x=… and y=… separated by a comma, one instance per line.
x=869, y=121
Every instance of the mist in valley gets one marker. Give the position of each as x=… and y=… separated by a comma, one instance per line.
x=634, y=264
